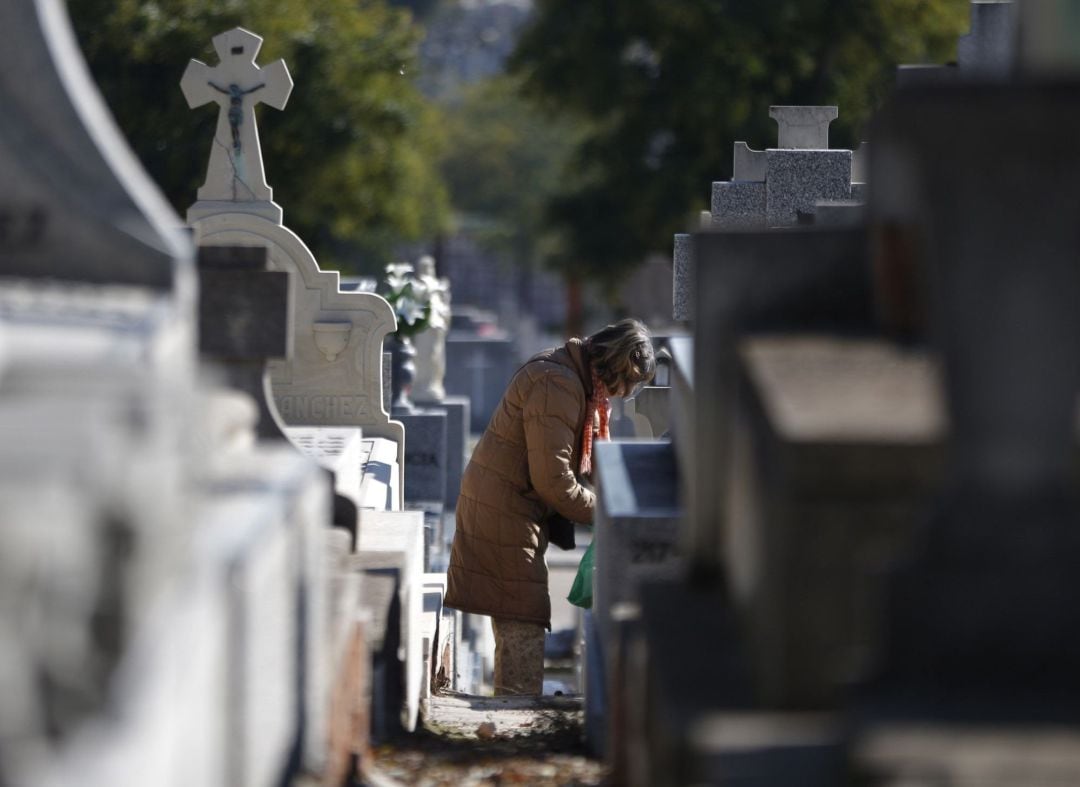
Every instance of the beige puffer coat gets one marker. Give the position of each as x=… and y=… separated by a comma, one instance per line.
x=523, y=467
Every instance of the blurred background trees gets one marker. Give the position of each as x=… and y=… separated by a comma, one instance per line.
x=599, y=143
x=666, y=87
x=353, y=158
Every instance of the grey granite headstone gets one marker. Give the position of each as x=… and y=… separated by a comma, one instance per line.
x=479, y=367
x=991, y=583
x=737, y=205
x=425, y=455
x=683, y=268
x=391, y=555
x=637, y=523
x=457, y=437
x=989, y=49
x=797, y=179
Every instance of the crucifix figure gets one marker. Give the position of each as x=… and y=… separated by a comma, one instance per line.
x=235, y=172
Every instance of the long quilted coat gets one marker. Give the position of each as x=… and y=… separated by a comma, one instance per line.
x=523, y=466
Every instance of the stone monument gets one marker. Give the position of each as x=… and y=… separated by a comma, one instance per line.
x=431, y=343
x=778, y=187
x=331, y=374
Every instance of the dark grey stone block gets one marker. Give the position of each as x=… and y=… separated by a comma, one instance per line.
x=479, y=367
x=636, y=533
x=740, y=204
x=797, y=179
x=457, y=437
x=990, y=48
x=683, y=258
x=425, y=455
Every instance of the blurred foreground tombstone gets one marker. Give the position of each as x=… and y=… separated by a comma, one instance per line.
x=986, y=613
x=982, y=631
x=157, y=568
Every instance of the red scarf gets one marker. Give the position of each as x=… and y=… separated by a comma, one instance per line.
x=598, y=403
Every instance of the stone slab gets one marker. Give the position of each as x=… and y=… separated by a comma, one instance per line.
x=683, y=267
x=766, y=748
x=805, y=279
x=336, y=449
x=989, y=50
x=994, y=756
x=380, y=481
x=797, y=179
x=243, y=307
x=479, y=368
x=425, y=455
x=250, y=541
x=682, y=399
x=433, y=637
x=391, y=546
x=682, y=667
x=860, y=165
x=839, y=213
x=748, y=164
x=738, y=205
x=457, y=438
x=652, y=412
x=300, y=488
x=637, y=523
x=858, y=426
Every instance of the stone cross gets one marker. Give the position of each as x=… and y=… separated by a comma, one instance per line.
x=803, y=128
x=235, y=172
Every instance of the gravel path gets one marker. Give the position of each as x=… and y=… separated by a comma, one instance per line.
x=470, y=741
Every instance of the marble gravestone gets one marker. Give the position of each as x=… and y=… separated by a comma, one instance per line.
x=332, y=372
x=235, y=172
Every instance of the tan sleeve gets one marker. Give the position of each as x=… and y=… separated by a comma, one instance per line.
x=551, y=414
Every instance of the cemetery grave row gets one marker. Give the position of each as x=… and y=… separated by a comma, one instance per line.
x=867, y=504
x=214, y=565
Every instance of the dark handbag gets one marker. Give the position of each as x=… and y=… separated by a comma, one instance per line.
x=560, y=530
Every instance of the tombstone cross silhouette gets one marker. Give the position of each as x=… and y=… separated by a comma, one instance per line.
x=235, y=172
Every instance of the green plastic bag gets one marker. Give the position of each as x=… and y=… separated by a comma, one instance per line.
x=581, y=590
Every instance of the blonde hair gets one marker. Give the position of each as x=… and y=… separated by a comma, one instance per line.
x=622, y=354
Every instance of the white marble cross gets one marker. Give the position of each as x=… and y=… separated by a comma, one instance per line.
x=235, y=172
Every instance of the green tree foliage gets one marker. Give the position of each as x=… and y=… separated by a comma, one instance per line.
x=352, y=158
x=503, y=160
x=668, y=85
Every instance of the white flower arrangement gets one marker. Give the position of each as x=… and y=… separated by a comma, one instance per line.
x=418, y=301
